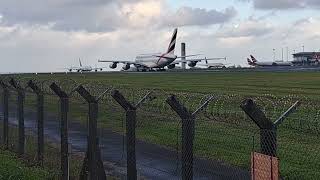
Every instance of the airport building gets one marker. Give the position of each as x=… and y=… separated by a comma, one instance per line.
x=306, y=59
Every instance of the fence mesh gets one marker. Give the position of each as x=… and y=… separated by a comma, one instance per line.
x=223, y=138
x=1, y=117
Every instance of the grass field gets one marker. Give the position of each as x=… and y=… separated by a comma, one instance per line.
x=223, y=134
x=13, y=168
x=246, y=83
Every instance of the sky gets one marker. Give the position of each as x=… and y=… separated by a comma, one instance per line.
x=46, y=36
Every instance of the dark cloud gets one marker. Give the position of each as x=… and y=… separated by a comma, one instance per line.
x=92, y=16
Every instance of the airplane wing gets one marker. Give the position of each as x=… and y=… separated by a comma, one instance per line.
x=73, y=68
x=196, y=60
x=113, y=61
x=125, y=62
x=192, y=55
x=98, y=68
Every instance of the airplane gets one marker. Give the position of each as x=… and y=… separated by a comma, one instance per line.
x=214, y=65
x=84, y=68
x=256, y=63
x=156, y=60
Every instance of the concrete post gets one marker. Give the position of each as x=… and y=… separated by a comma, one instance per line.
x=183, y=54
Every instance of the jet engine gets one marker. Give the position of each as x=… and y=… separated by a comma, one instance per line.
x=113, y=65
x=192, y=63
x=171, y=66
x=126, y=67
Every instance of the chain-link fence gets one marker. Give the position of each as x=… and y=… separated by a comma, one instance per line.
x=157, y=134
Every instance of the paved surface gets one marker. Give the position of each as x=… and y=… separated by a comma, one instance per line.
x=153, y=161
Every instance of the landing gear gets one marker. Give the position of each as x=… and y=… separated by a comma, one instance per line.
x=160, y=70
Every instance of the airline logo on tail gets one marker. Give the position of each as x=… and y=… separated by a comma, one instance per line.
x=172, y=44
x=253, y=59
x=250, y=62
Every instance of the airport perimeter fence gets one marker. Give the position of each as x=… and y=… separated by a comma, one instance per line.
x=98, y=130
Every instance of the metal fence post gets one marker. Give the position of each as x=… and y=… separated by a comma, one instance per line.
x=93, y=165
x=5, y=114
x=64, y=108
x=40, y=115
x=188, y=130
x=20, y=111
x=268, y=129
x=131, y=116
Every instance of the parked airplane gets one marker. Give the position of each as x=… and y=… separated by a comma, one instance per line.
x=156, y=60
x=84, y=68
x=256, y=63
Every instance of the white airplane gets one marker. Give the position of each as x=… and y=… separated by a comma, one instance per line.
x=84, y=68
x=256, y=63
x=214, y=65
x=156, y=60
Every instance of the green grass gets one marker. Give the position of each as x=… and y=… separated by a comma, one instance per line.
x=51, y=162
x=228, y=135
x=14, y=168
x=245, y=83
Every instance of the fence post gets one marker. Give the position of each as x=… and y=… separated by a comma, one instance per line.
x=20, y=111
x=131, y=116
x=5, y=113
x=93, y=165
x=64, y=108
x=268, y=129
x=40, y=104
x=188, y=130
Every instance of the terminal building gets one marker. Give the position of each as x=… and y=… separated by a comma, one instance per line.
x=306, y=59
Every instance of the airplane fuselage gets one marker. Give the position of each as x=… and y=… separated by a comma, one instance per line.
x=156, y=60
x=266, y=64
x=215, y=65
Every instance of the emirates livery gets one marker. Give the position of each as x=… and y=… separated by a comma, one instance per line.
x=156, y=60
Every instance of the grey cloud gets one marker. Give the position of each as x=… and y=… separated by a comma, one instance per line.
x=277, y=4
x=186, y=16
x=100, y=15
x=250, y=28
x=92, y=16
x=284, y=4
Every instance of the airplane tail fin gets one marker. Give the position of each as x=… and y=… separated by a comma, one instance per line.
x=172, y=44
x=249, y=62
x=254, y=60
x=80, y=63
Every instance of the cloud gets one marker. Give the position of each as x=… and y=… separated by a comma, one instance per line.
x=284, y=4
x=186, y=16
x=249, y=28
x=104, y=16
x=62, y=15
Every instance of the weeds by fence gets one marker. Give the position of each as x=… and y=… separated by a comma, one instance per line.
x=161, y=138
